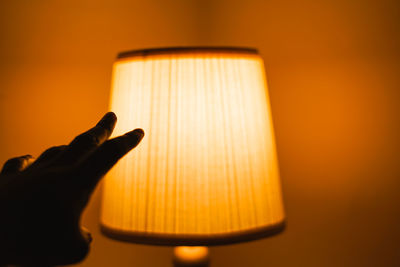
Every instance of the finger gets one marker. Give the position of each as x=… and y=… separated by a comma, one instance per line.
x=48, y=155
x=17, y=164
x=107, y=155
x=88, y=141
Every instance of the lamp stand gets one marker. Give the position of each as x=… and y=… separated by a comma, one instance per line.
x=191, y=257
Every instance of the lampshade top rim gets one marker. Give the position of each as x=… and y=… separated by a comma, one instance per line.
x=187, y=50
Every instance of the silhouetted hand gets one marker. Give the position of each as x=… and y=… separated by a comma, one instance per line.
x=41, y=201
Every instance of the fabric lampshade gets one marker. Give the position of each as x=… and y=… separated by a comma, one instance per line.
x=206, y=172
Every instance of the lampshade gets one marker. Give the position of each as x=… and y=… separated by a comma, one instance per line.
x=206, y=172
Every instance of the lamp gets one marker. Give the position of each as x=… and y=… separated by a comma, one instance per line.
x=207, y=171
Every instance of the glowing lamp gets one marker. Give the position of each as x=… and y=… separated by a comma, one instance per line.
x=206, y=173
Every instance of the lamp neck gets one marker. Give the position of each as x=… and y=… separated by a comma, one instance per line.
x=191, y=257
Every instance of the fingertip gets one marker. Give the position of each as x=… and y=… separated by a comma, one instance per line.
x=111, y=114
x=29, y=159
x=17, y=164
x=138, y=134
x=108, y=120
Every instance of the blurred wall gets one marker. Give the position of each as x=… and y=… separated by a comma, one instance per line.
x=333, y=69
x=334, y=78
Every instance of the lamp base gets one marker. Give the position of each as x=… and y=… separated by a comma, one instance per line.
x=191, y=257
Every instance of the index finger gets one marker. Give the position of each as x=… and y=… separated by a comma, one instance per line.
x=107, y=155
x=86, y=142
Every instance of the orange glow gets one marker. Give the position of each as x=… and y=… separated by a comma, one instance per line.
x=333, y=74
x=207, y=165
x=187, y=255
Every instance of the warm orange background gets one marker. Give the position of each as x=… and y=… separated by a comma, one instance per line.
x=333, y=69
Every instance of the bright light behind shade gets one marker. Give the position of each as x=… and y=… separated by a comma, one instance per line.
x=206, y=169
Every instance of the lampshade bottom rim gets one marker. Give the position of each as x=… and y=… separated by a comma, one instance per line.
x=193, y=240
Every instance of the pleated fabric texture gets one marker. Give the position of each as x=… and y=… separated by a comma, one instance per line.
x=207, y=166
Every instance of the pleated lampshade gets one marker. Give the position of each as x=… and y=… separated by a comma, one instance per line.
x=206, y=172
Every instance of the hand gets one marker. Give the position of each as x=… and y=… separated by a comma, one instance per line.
x=41, y=201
